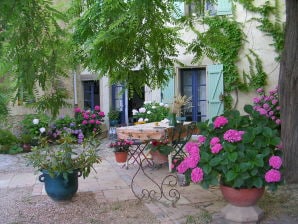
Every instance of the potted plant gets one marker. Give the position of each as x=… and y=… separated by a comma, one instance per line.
x=62, y=163
x=121, y=149
x=114, y=116
x=241, y=153
x=159, y=150
x=151, y=112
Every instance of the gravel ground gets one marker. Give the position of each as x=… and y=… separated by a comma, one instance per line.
x=19, y=207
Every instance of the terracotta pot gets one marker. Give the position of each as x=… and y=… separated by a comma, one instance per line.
x=242, y=197
x=121, y=157
x=158, y=157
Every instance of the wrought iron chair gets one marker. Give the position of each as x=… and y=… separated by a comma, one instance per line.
x=180, y=137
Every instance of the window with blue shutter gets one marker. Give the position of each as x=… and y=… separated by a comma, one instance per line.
x=215, y=90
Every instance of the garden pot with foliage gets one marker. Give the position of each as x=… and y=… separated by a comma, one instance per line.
x=114, y=116
x=238, y=151
x=121, y=149
x=61, y=164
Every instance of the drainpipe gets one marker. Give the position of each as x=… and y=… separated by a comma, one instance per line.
x=75, y=89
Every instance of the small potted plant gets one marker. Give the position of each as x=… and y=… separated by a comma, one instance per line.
x=121, y=149
x=159, y=150
x=62, y=163
x=114, y=116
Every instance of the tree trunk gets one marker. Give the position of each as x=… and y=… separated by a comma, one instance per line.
x=288, y=92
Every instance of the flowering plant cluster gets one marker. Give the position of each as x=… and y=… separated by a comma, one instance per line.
x=89, y=122
x=121, y=145
x=162, y=146
x=151, y=112
x=268, y=105
x=240, y=151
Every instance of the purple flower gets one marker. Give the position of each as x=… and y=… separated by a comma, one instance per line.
x=266, y=106
x=102, y=114
x=197, y=175
x=91, y=121
x=260, y=90
x=84, y=122
x=256, y=99
x=262, y=111
x=97, y=108
x=272, y=176
x=278, y=121
x=274, y=101
x=86, y=116
x=275, y=162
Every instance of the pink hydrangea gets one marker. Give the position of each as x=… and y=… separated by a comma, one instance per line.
x=192, y=148
x=278, y=121
x=86, y=116
x=84, y=122
x=233, y=135
x=201, y=139
x=93, y=116
x=220, y=121
x=192, y=162
x=272, y=176
x=197, y=175
x=77, y=110
x=91, y=121
x=214, y=141
x=275, y=162
x=216, y=148
x=101, y=113
x=97, y=108
x=182, y=167
x=274, y=101
x=97, y=122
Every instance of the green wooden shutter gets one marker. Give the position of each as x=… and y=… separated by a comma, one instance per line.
x=224, y=7
x=168, y=92
x=215, y=106
x=180, y=6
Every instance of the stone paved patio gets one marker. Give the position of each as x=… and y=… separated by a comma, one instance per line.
x=111, y=183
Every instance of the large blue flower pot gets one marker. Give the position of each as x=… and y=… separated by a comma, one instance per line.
x=58, y=188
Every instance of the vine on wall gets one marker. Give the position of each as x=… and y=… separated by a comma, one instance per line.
x=223, y=41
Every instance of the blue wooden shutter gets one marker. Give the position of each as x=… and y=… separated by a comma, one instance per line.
x=224, y=7
x=214, y=90
x=168, y=91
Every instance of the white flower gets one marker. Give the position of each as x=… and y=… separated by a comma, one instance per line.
x=142, y=110
x=35, y=121
x=153, y=107
x=166, y=105
x=146, y=120
x=161, y=104
x=146, y=102
x=148, y=112
x=42, y=130
x=135, y=112
x=140, y=119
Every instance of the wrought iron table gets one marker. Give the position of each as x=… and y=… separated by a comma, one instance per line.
x=143, y=134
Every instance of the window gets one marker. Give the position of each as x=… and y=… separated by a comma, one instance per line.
x=91, y=94
x=202, y=7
